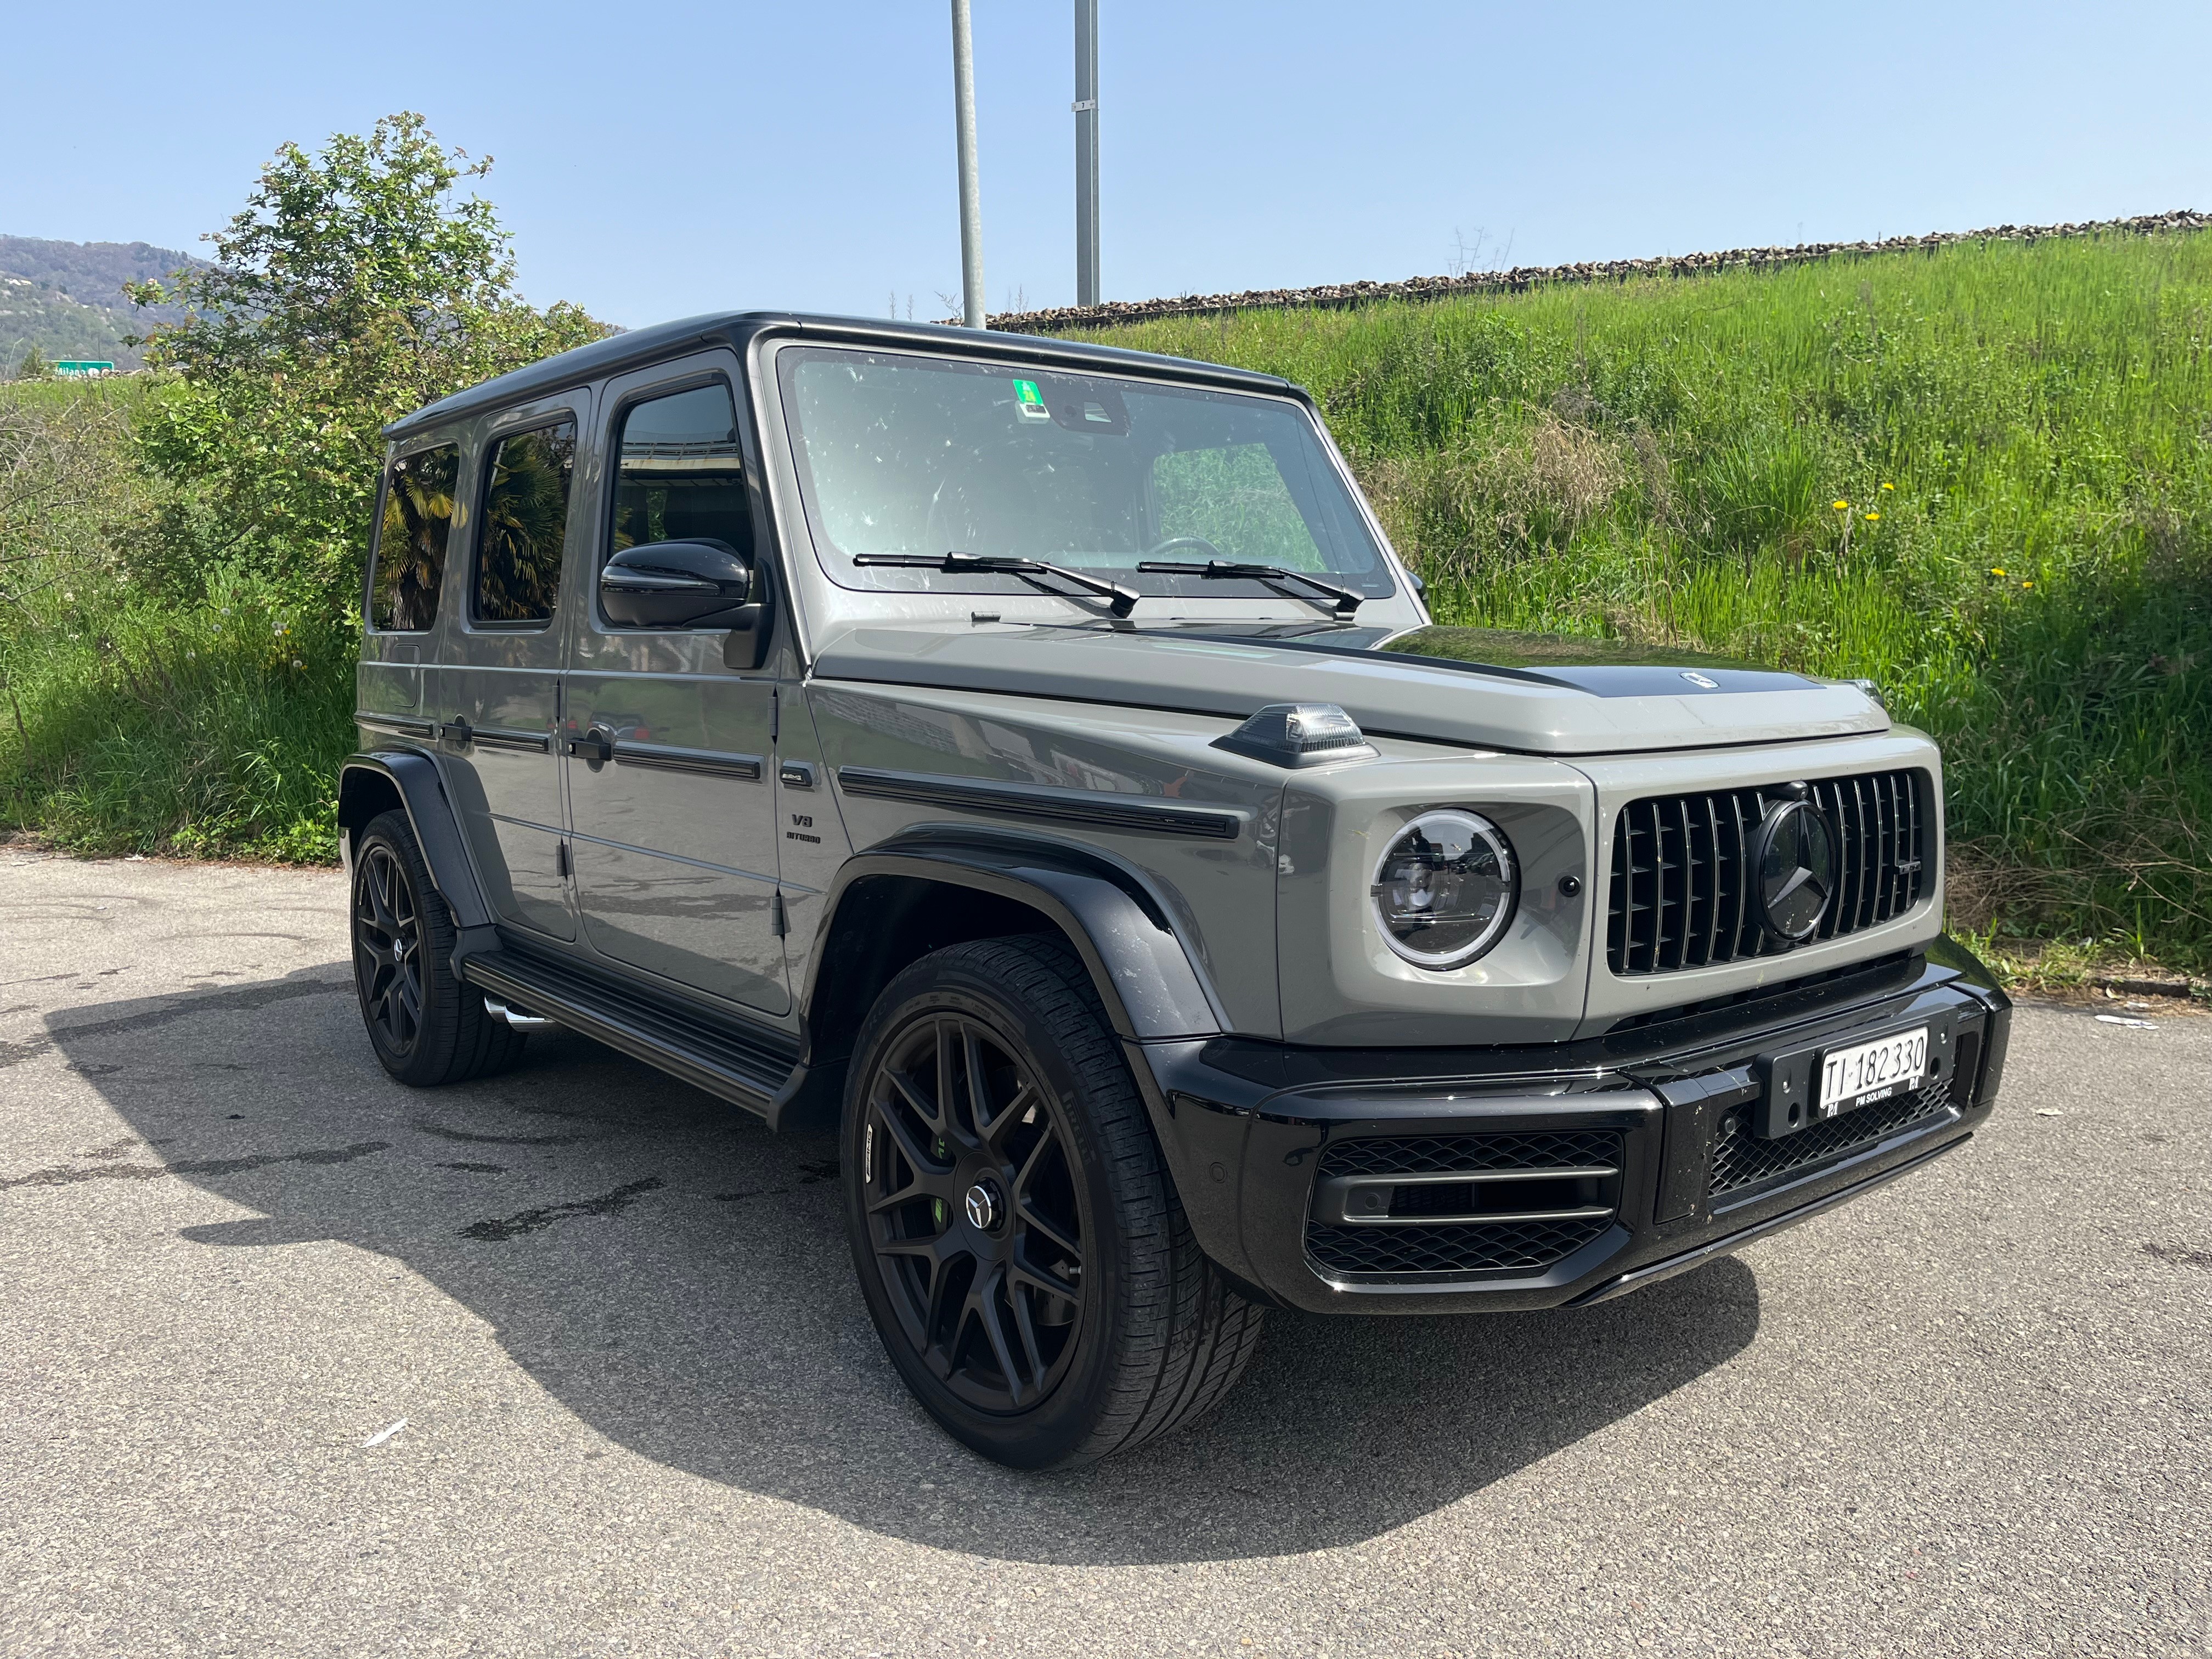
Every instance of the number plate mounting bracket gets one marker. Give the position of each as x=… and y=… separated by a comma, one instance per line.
x=1789, y=1078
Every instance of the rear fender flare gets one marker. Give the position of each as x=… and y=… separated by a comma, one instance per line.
x=371, y=784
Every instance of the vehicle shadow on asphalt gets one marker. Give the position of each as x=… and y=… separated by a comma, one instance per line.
x=678, y=1278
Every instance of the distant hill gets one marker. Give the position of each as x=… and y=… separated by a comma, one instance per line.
x=66, y=298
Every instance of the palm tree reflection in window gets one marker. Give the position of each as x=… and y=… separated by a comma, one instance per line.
x=526, y=522
x=411, y=551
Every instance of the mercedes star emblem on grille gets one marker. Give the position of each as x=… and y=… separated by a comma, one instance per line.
x=1794, y=863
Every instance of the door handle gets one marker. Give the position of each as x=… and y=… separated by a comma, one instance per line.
x=595, y=747
x=456, y=732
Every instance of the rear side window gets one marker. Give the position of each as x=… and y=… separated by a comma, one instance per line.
x=679, y=476
x=410, y=540
x=525, y=522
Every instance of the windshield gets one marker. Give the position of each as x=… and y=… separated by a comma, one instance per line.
x=911, y=455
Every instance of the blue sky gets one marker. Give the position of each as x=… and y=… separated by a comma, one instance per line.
x=657, y=161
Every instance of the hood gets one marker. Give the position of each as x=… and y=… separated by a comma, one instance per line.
x=1535, y=693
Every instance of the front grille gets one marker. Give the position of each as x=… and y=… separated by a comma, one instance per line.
x=1492, y=1247
x=1681, y=890
x=1501, y=1241
x=1742, y=1159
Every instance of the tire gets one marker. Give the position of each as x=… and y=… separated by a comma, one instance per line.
x=426, y=1026
x=1087, y=1319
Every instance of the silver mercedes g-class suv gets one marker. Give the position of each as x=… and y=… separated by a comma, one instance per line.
x=1031, y=762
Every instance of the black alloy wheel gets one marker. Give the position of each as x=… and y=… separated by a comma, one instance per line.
x=1020, y=1243
x=387, y=950
x=426, y=1026
x=974, y=1212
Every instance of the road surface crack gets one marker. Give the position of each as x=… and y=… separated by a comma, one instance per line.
x=66, y=1175
x=529, y=1221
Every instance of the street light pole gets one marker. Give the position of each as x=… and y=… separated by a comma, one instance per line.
x=971, y=204
x=1086, y=152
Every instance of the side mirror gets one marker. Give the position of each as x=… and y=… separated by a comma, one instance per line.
x=694, y=584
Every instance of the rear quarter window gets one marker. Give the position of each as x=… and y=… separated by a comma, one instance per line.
x=407, y=570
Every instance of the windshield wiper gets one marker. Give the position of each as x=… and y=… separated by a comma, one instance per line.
x=1124, y=598
x=1342, y=600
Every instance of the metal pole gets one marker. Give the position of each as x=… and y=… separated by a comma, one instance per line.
x=1086, y=152
x=972, y=205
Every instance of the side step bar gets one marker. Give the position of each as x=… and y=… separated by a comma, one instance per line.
x=704, y=1049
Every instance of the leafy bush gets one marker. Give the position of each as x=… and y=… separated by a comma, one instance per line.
x=355, y=287
x=181, y=556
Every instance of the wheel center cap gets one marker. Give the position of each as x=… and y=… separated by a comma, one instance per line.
x=984, y=1207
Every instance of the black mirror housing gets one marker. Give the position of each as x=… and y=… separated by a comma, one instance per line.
x=687, y=584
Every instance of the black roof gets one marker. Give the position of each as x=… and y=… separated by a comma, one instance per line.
x=639, y=348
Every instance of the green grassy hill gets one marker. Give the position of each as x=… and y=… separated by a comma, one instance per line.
x=65, y=299
x=56, y=326
x=1981, y=476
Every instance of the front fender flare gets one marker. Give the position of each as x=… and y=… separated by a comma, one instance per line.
x=1153, y=988
x=1148, y=981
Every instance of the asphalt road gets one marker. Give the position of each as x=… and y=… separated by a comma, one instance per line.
x=645, y=1412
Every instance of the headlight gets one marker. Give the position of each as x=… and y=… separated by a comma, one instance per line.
x=1444, y=888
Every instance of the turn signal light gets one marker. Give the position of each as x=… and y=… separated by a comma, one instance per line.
x=1299, y=734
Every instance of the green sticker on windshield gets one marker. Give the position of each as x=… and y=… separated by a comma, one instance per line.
x=1030, y=401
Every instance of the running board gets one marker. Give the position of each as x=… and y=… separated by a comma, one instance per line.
x=706, y=1049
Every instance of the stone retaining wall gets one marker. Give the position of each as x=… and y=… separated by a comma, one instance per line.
x=1594, y=270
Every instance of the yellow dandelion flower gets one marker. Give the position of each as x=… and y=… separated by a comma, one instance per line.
x=1871, y=517
x=1889, y=486
x=2028, y=583
x=1996, y=570
x=1842, y=507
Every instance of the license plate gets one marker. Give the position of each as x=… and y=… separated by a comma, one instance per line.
x=1868, y=1072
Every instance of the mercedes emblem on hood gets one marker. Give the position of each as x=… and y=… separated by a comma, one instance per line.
x=1794, y=866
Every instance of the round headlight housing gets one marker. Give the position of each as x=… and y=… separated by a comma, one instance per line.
x=1444, y=888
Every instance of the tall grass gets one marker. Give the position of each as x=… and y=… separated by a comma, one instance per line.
x=210, y=728
x=2022, y=438
x=159, y=690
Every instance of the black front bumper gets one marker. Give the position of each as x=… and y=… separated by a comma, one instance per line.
x=1603, y=1164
